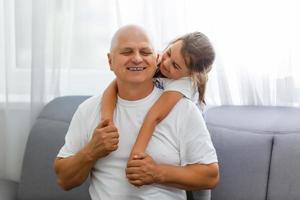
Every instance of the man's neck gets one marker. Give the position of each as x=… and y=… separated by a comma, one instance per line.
x=134, y=92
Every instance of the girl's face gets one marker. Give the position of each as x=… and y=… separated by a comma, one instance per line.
x=172, y=62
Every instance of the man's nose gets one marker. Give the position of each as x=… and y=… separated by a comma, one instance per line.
x=137, y=58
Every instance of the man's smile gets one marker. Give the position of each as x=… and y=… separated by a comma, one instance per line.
x=136, y=68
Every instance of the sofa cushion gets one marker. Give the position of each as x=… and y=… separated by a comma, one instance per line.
x=258, y=119
x=38, y=180
x=281, y=124
x=8, y=189
x=62, y=108
x=285, y=166
x=244, y=164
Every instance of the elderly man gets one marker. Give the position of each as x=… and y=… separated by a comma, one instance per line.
x=180, y=155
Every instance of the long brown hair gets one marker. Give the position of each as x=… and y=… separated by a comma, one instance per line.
x=199, y=56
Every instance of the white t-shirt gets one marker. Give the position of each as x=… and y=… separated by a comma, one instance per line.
x=181, y=138
x=184, y=85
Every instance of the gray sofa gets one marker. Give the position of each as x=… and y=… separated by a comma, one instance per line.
x=258, y=150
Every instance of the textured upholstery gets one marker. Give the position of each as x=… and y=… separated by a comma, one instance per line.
x=244, y=160
x=8, y=189
x=38, y=181
x=258, y=149
x=285, y=167
x=256, y=119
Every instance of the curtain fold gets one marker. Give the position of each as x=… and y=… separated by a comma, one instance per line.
x=2, y=87
x=40, y=22
x=28, y=84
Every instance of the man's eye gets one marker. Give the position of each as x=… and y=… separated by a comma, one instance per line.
x=126, y=53
x=146, y=53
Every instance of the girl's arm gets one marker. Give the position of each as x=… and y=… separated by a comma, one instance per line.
x=157, y=112
x=108, y=102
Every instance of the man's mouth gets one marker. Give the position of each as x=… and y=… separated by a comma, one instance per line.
x=136, y=68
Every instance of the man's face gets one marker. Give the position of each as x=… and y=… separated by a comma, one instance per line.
x=133, y=59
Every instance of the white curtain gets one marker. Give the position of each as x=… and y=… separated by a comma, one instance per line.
x=50, y=48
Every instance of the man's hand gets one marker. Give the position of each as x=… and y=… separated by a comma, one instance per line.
x=141, y=170
x=105, y=140
x=137, y=152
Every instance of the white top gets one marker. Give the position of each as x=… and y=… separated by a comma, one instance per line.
x=184, y=85
x=181, y=138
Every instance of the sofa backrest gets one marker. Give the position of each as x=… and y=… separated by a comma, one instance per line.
x=38, y=181
x=258, y=149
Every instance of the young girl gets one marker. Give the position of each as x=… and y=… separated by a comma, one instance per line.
x=182, y=72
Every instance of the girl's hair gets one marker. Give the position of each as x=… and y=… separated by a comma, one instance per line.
x=199, y=55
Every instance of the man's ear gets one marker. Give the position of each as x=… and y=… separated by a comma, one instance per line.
x=109, y=61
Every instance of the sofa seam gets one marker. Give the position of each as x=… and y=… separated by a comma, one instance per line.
x=50, y=119
x=270, y=164
x=257, y=131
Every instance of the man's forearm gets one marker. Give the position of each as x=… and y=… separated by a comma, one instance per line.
x=73, y=171
x=190, y=177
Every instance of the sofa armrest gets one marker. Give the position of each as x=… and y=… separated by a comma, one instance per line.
x=8, y=189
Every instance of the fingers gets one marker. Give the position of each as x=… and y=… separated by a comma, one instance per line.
x=103, y=123
x=135, y=156
x=137, y=183
x=111, y=147
x=107, y=132
x=134, y=163
x=114, y=144
x=138, y=159
x=111, y=137
x=132, y=170
x=139, y=156
x=141, y=170
x=109, y=128
x=134, y=176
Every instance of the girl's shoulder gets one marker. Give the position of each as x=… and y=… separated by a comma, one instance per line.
x=163, y=83
x=184, y=85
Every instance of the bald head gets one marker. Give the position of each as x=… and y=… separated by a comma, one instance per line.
x=127, y=33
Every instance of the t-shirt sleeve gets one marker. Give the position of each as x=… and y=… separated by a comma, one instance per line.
x=75, y=138
x=195, y=142
x=183, y=85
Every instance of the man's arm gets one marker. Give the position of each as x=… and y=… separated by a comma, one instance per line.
x=73, y=171
x=143, y=171
x=190, y=177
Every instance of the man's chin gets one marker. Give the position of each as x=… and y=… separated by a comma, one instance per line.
x=138, y=79
x=141, y=82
